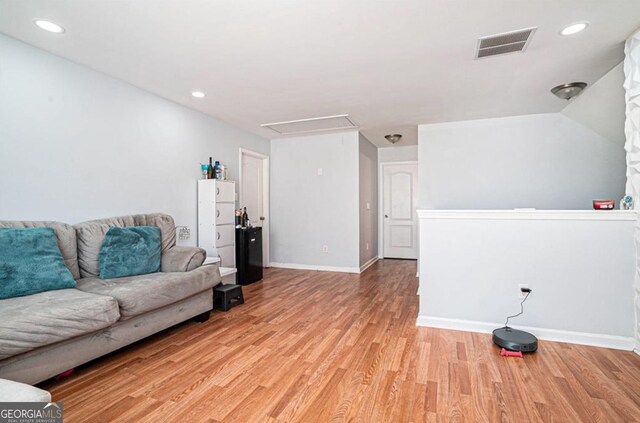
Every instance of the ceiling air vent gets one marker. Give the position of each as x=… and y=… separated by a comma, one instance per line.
x=507, y=42
x=325, y=123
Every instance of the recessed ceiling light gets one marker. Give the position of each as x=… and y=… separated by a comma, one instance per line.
x=574, y=29
x=49, y=26
x=197, y=94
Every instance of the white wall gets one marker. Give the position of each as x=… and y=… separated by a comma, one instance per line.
x=580, y=266
x=368, y=181
x=544, y=161
x=407, y=153
x=76, y=144
x=601, y=106
x=310, y=210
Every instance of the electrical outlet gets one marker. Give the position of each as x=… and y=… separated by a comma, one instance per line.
x=325, y=249
x=367, y=245
x=184, y=233
x=521, y=294
x=320, y=171
x=368, y=206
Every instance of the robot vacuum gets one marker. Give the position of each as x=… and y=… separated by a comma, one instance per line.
x=515, y=340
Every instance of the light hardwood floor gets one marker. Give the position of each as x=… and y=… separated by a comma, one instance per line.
x=317, y=346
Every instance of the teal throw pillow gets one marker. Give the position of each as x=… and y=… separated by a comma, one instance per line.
x=31, y=262
x=130, y=251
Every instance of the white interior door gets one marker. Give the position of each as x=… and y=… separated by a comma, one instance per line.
x=400, y=196
x=254, y=194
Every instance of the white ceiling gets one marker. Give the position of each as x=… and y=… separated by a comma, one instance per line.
x=389, y=64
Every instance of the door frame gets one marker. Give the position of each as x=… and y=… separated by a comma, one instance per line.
x=381, y=167
x=265, y=197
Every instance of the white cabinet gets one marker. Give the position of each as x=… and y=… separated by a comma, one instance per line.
x=225, y=191
x=216, y=220
x=225, y=234
x=225, y=213
x=227, y=256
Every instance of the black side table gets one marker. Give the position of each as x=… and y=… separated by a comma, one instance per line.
x=227, y=296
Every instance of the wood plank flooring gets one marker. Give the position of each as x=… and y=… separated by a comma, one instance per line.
x=329, y=347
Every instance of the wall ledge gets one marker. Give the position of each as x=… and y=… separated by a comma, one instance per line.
x=526, y=214
x=581, y=338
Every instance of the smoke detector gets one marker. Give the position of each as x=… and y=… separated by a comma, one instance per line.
x=393, y=138
x=507, y=42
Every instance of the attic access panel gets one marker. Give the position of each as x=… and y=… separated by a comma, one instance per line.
x=325, y=123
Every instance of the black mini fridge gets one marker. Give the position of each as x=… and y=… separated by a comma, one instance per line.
x=248, y=255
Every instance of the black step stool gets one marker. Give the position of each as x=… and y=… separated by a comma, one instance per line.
x=227, y=296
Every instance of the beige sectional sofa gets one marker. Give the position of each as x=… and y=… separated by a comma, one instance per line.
x=45, y=334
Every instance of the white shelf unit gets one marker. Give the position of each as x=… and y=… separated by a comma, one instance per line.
x=217, y=220
x=228, y=274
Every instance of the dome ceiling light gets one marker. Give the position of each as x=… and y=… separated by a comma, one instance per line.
x=393, y=138
x=568, y=91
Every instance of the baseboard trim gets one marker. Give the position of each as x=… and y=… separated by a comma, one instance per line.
x=368, y=264
x=316, y=267
x=637, y=349
x=581, y=338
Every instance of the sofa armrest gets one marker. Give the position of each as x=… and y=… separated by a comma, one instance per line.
x=182, y=259
x=19, y=392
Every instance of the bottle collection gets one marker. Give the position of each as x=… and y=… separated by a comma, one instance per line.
x=213, y=170
x=242, y=218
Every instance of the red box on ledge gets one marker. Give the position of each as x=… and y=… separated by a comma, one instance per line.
x=603, y=204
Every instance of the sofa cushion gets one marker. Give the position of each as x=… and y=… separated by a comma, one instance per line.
x=140, y=294
x=31, y=262
x=65, y=235
x=41, y=319
x=91, y=235
x=130, y=251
